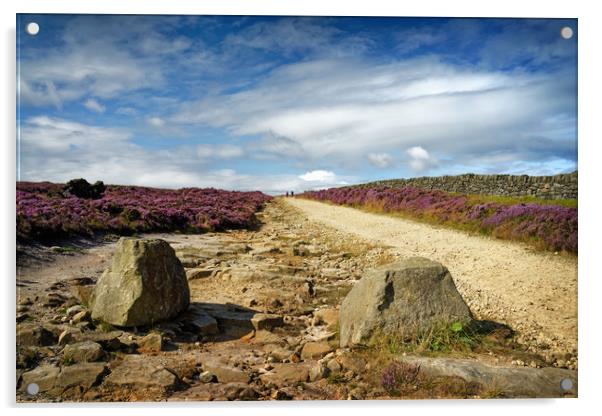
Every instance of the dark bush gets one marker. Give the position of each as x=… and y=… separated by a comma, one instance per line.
x=81, y=188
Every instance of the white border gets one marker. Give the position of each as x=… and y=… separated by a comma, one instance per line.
x=589, y=153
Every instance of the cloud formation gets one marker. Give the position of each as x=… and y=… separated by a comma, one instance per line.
x=287, y=103
x=93, y=105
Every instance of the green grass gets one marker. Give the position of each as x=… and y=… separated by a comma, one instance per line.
x=439, y=339
x=67, y=250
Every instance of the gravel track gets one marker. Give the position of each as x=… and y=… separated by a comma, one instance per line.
x=533, y=292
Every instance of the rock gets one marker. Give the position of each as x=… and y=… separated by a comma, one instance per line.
x=207, y=377
x=511, y=381
x=197, y=321
x=29, y=334
x=318, y=372
x=334, y=366
x=199, y=273
x=44, y=376
x=266, y=321
x=286, y=373
x=279, y=353
x=353, y=362
x=73, y=310
x=239, y=391
x=85, y=351
x=109, y=341
x=281, y=395
x=229, y=315
x=152, y=342
x=400, y=298
x=66, y=337
x=328, y=316
x=266, y=337
x=314, y=350
x=145, y=283
x=74, y=380
x=137, y=372
x=226, y=373
x=82, y=316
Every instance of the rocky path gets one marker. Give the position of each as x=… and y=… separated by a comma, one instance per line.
x=534, y=292
x=262, y=323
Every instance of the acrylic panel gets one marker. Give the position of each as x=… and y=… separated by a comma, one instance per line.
x=295, y=208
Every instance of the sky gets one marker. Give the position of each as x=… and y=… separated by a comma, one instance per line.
x=292, y=103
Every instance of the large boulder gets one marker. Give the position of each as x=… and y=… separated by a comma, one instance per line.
x=400, y=299
x=145, y=283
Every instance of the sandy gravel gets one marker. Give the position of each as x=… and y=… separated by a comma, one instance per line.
x=534, y=292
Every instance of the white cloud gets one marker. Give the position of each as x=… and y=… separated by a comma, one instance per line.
x=126, y=111
x=381, y=160
x=155, y=121
x=318, y=176
x=226, y=151
x=58, y=150
x=340, y=110
x=93, y=105
x=420, y=160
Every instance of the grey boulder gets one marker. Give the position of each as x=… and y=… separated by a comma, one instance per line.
x=145, y=283
x=401, y=298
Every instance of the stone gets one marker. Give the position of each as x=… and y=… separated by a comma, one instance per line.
x=75, y=309
x=152, y=342
x=29, y=334
x=145, y=283
x=318, y=372
x=314, y=350
x=137, y=372
x=511, y=381
x=334, y=366
x=199, y=273
x=239, y=391
x=82, y=316
x=44, y=376
x=266, y=321
x=286, y=373
x=266, y=337
x=197, y=321
x=74, y=380
x=109, y=341
x=229, y=315
x=279, y=353
x=66, y=337
x=225, y=373
x=85, y=351
x=400, y=299
x=352, y=362
x=207, y=377
x=327, y=316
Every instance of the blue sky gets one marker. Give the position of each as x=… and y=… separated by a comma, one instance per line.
x=292, y=103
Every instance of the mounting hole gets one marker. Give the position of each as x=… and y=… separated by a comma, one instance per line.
x=566, y=384
x=33, y=389
x=566, y=32
x=32, y=28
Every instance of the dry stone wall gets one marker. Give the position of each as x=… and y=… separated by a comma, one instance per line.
x=563, y=186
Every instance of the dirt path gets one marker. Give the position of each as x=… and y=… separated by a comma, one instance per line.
x=534, y=292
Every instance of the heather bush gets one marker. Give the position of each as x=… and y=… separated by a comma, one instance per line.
x=399, y=375
x=548, y=226
x=44, y=212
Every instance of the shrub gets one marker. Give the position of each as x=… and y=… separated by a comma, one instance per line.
x=45, y=213
x=399, y=375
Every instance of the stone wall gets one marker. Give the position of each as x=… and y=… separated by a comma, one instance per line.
x=562, y=186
